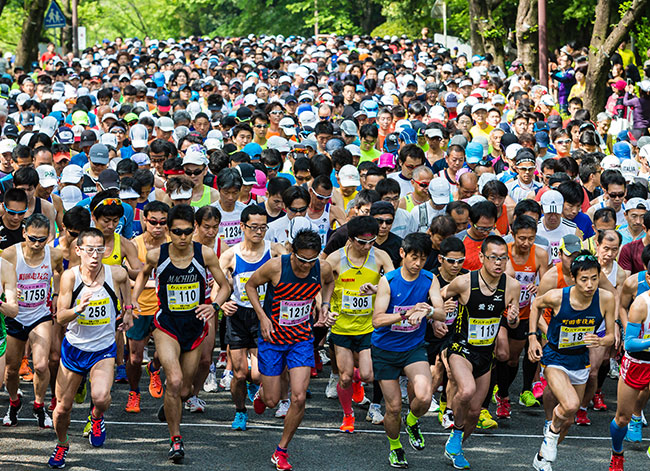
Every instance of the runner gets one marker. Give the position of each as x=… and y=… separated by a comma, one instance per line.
x=180, y=321
x=405, y=296
x=242, y=330
x=88, y=304
x=38, y=269
x=321, y=212
x=356, y=268
x=286, y=339
x=565, y=357
x=154, y=235
x=470, y=355
x=195, y=166
x=229, y=182
x=8, y=307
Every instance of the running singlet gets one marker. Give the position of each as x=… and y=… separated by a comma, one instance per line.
x=502, y=222
x=642, y=283
x=243, y=271
x=402, y=336
x=148, y=300
x=115, y=257
x=205, y=199
x=645, y=332
x=525, y=274
x=229, y=227
x=290, y=304
x=568, y=327
x=450, y=317
x=94, y=329
x=477, y=324
x=354, y=308
x=180, y=290
x=33, y=284
x=321, y=224
x=561, y=283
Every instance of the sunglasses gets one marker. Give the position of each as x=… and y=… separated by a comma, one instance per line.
x=277, y=112
x=306, y=260
x=153, y=222
x=366, y=242
x=388, y=222
x=182, y=232
x=73, y=234
x=563, y=141
x=298, y=210
x=483, y=229
x=616, y=195
x=271, y=169
x=37, y=239
x=454, y=261
x=13, y=211
x=194, y=173
x=261, y=126
x=321, y=197
x=93, y=250
x=422, y=184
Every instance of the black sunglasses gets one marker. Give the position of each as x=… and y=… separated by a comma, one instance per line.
x=182, y=232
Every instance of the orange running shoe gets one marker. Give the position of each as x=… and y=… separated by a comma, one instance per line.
x=358, y=392
x=25, y=371
x=155, y=383
x=133, y=403
x=348, y=424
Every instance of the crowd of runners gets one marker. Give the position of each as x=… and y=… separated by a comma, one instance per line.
x=422, y=220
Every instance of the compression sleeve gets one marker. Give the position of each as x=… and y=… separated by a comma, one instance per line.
x=632, y=341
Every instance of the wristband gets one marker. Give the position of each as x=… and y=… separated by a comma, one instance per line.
x=128, y=307
x=324, y=303
x=216, y=307
x=432, y=310
x=531, y=333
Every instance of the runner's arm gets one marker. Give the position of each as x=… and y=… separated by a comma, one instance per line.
x=57, y=263
x=327, y=283
x=131, y=256
x=626, y=297
x=121, y=278
x=542, y=256
x=142, y=278
x=380, y=317
x=438, y=312
x=513, y=288
x=10, y=305
x=212, y=262
x=638, y=314
x=64, y=313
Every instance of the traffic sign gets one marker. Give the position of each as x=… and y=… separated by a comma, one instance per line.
x=54, y=17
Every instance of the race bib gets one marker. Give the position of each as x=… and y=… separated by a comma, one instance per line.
x=230, y=232
x=183, y=296
x=450, y=317
x=403, y=325
x=241, y=286
x=525, y=279
x=482, y=332
x=355, y=304
x=97, y=313
x=294, y=312
x=573, y=336
x=554, y=252
x=32, y=295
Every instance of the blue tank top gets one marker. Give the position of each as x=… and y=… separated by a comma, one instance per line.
x=402, y=336
x=243, y=271
x=642, y=285
x=568, y=327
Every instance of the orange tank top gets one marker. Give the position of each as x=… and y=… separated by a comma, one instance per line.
x=561, y=283
x=502, y=223
x=525, y=274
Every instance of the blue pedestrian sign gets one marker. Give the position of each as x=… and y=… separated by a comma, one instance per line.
x=54, y=17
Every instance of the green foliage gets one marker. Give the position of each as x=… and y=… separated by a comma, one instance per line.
x=11, y=23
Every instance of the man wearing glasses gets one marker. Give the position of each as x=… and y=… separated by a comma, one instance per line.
x=286, y=335
x=181, y=321
x=321, y=212
x=524, y=186
x=92, y=289
x=36, y=266
x=614, y=185
x=230, y=182
x=296, y=202
x=410, y=157
x=483, y=296
x=260, y=123
x=11, y=228
x=483, y=217
x=422, y=176
x=241, y=261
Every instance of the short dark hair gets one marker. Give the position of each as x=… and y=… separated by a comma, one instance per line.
x=76, y=217
x=229, y=178
x=306, y=239
x=277, y=185
x=16, y=194
x=527, y=206
x=250, y=210
x=206, y=213
x=443, y=225
x=37, y=221
x=495, y=187
x=611, y=177
x=606, y=214
x=451, y=244
x=572, y=192
x=386, y=186
x=413, y=151
x=322, y=181
x=417, y=242
x=295, y=193
x=457, y=206
x=90, y=232
x=362, y=225
x=182, y=212
x=523, y=222
x=584, y=261
x=155, y=207
x=26, y=176
x=483, y=208
x=494, y=240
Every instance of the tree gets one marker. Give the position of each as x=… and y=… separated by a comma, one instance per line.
x=603, y=45
x=525, y=34
x=487, y=31
x=27, y=50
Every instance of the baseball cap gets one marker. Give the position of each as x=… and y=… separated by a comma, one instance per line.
x=128, y=193
x=473, y=153
x=98, y=154
x=163, y=103
x=386, y=160
x=542, y=139
x=72, y=174
x=349, y=176
x=296, y=225
x=408, y=136
x=382, y=207
x=433, y=132
x=610, y=162
x=634, y=203
x=109, y=179
x=165, y=123
x=524, y=155
x=547, y=100
x=181, y=195
x=391, y=144
x=253, y=149
x=570, y=244
x=354, y=149
x=259, y=188
x=483, y=179
x=139, y=136
x=278, y=143
x=11, y=130
x=440, y=191
x=109, y=140
x=333, y=145
x=370, y=107
x=622, y=150
x=554, y=121
x=7, y=145
x=288, y=126
x=70, y=195
x=247, y=172
x=195, y=155
x=48, y=126
x=458, y=140
x=88, y=138
x=349, y=128
x=46, y=176
x=64, y=135
x=629, y=169
x=213, y=144
x=141, y=158
x=552, y=202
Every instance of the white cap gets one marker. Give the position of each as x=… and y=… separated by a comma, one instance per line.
x=610, y=162
x=129, y=193
x=308, y=119
x=288, y=126
x=447, y=68
x=483, y=179
x=297, y=224
x=278, y=143
x=213, y=144
x=634, y=203
x=250, y=100
x=465, y=83
x=354, y=149
x=629, y=169
x=644, y=152
x=440, y=190
x=72, y=174
x=70, y=195
x=46, y=176
x=472, y=200
x=195, y=155
x=547, y=100
x=109, y=116
x=402, y=123
x=109, y=139
x=165, y=123
x=478, y=107
x=139, y=136
x=349, y=176
x=552, y=201
x=181, y=195
x=7, y=145
x=511, y=151
x=49, y=125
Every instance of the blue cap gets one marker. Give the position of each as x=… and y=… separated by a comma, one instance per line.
x=391, y=143
x=334, y=144
x=623, y=136
x=163, y=102
x=542, y=139
x=64, y=135
x=159, y=79
x=540, y=126
x=622, y=150
x=370, y=107
x=473, y=153
x=409, y=136
x=58, y=115
x=253, y=149
x=304, y=107
x=361, y=89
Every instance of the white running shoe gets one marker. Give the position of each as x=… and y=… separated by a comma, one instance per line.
x=374, y=414
x=447, y=419
x=145, y=357
x=614, y=368
x=330, y=390
x=542, y=464
x=548, y=450
x=195, y=404
x=434, y=407
x=211, y=384
x=324, y=357
x=226, y=379
x=283, y=408
x=222, y=361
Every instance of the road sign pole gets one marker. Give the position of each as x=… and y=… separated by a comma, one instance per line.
x=75, y=32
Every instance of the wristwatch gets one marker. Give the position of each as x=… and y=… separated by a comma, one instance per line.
x=216, y=307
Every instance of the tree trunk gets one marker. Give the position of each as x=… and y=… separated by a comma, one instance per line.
x=27, y=50
x=475, y=40
x=602, y=46
x=66, y=31
x=526, y=35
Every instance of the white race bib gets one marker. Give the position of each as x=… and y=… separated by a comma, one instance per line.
x=355, y=304
x=230, y=232
x=482, y=332
x=294, y=312
x=183, y=296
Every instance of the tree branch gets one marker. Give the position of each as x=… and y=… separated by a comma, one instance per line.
x=614, y=38
x=601, y=22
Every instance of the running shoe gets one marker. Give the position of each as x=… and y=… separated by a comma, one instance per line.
x=252, y=389
x=314, y=372
x=485, y=420
x=416, y=439
x=226, y=379
x=494, y=394
x=348, y=424
x=155, y=383
x=599, y=401
x=614, y=369
x=538, y=389
x=503, y=407
x=25, y=371
x=195, y=405
x=57, y=460
x=447, y=420
x=283, y=408
x=258, y=404
x=161, y=413
x=634, y=432
x=241, y=418
x=82, y=392
x=454, y=445
x=397, y=458
x=374, y=414
x=176, y=450
x=434, y=406
x=281, y=461
x=330, y=390
x=358, y=392
x=540, y=464
x=222, y=361
x=42, y=417
x=581, y=418
x=11, y=418
x=211, y=384
x=52, y=405
x=527, y=399
x=120, y=374
x=548, y=450
x=459, y=461
x=616, y=463
x=97, y=435
x=324, y=357
x=318, y=362
x=86, y=430
x=133, y=403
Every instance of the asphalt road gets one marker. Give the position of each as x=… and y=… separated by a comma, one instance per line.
x=140, y=442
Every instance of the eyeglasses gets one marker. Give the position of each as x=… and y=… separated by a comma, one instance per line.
x=182, y=232
x=421, y=184
x=194, y=173
x=298, y=210
x=495, y=259
x=271, y=169
x=393, y=199
x=261, y=126
x=366, y=242
x=454, y=261
x=563, y=142
x=153, y=222
x=37, y=239
x=93, y=250
x=277, y=112
x=526, y=169
x=13, y=211
x=320, y=197
x=388, y=222
x=616, y=195
x=582, y=258
x=483, y=228
x=306, y=260
x=262, y=228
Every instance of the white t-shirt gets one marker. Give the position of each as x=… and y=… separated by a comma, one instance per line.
x=405, y=185
x=403, y=223
x=279, y=230
x=554, y=237
x=229, y=228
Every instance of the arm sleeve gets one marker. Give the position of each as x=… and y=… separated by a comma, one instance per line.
x=632, y=341
x=630, y=100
